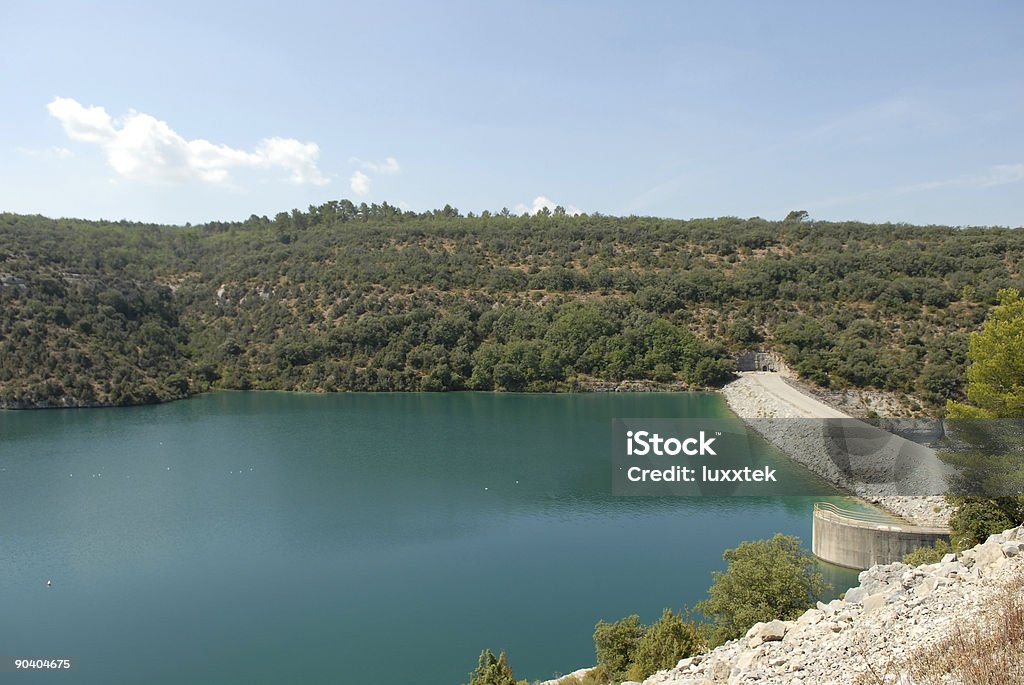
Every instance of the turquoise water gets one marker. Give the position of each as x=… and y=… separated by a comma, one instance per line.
x=377, y=538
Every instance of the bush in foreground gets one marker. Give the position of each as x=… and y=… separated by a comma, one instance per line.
x=628, y=650
x=764, y=580
x=928, y=555
x=616, y=645
x=668, y=640
x=493, y=670
x=975, y=518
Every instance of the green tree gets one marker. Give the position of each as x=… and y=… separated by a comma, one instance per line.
x=995, y=378
x=995, y=390
x=615, y=645
x=493, y=670
x=668, y=640
x=764, y=580
x=975, y=518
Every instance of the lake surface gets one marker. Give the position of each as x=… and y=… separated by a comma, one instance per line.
x=377, y=538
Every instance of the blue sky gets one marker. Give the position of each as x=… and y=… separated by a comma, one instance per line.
x=903, y=112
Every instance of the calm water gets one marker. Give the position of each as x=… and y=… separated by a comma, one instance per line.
x=381, y=538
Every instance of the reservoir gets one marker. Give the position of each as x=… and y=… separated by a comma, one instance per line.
x=378, y=538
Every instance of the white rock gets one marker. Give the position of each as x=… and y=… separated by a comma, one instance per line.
x=773, y=631
x=811, y=617
x=988, y=554
x=856, y=594
x=926, y=587
x=874, y=602
x=746, y=660
x=718, y=670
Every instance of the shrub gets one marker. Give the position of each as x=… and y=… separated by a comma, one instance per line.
x=667, y=641
x=928, y=555
x=615, y=645
x=493, y=670
x=975, y=518
x=764, y=580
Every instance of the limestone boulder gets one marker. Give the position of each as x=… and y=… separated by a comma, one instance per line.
x=773, y=631
x=875, y=602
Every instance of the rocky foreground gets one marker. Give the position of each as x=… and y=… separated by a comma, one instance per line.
x=885, y=631
x=896, y=613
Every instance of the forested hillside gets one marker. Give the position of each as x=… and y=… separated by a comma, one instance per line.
x=346, y=297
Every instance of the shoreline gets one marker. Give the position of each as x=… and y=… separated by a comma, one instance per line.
x=578, y=387
x=758, y=398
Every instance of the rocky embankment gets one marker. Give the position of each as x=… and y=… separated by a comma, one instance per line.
x=598, y=385
x=863, y=403
x=895, y=619
x=790, y=420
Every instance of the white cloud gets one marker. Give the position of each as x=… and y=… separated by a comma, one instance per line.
x=1002, y=174
x=52, y=152
x=88, y=124
x=295, y=156
x=143, y=148
x=543, y=202
x=360, y=181
x=389, y=166
x=997, y=175
x=360, y=184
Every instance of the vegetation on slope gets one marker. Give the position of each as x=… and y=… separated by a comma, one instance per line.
x=493, y=670
x=345, y=297
x=995, y=391
x=763, y=581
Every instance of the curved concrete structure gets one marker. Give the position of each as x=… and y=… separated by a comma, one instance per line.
x=861, y=539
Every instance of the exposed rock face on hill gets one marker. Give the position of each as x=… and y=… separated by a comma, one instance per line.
x=896, y=612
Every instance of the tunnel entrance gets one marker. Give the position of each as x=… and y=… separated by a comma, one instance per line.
x=757, y=360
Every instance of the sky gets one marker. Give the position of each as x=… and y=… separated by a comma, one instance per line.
x=197, y=111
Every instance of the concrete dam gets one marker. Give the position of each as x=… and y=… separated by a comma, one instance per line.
x=859, y=539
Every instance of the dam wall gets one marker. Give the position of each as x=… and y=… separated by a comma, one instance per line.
x=861, y=540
